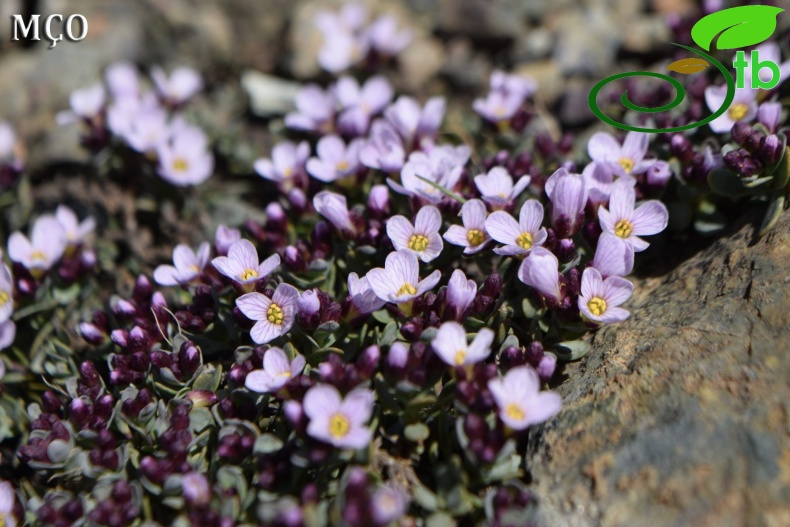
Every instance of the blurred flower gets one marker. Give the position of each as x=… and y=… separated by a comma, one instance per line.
x=451, y=346
x=519, y=238
x=411, y=121
x=6, y=294
x=360, y=104
x=188, y=265
x=770, y=115
x=86, y=103
x=399, y=280
x=274, y=317
x=145, y=129
x=505, y=98
x=384, y=149
x=242, y=265
x=461, y=293
x=613, y=256
x=385, y=37
x=335, y=160
x=568, y=195
x=183, y=83
x=196, y=489
x=624, y=220
x=387, y=504
x=185, y=159
x=362, y=295
x=743, y=107
x=497, y=188
x=7, y=334
x=540, y=269
x=658, y=174
x=624, y=160
x=123, y=80
x=379, y=199
x=345, y=43
x=315, y=110
x=339, y=421
x=333, y=207
x=7, y=502
x=277, y=371
x=519, y=399
x=74, y=230
x=600, y=297
x=422, y=238
x=224, y=238
x=442, y=166
x=286, y=165
x=473, y=235
x=45, y=246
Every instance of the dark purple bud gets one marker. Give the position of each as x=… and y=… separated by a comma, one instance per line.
x=275, y=217
x=740, y=132
x=753, y=141
x=79, y=412
x=142, y=289
x=475, y=427
x=51, y=403
x=120, y=337
x=566, y=250
x=573, y=281
x=771, y=150
x=412, y=329
x=124, y=308
x=368, y=361
x=546, y=367
x=91, y=333
x=294, y=260
x=492, y=286
x=511, y=357
x=681, y=148
x=534, y=353
x=89, y=374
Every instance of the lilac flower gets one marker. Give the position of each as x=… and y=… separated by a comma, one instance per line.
x=568, y=195
x=451, y=346
x=507, y=94
x=335, y=160
x=241, y=264
x=379, y=199
x=224, y=238
x=386, y=38
x=398, y=355
x=519, y=399
x=613, y=256
x=519, y=238
x=362, y=295
x=274, y=317
x=460, y=293
x=7, y=334
x=341, y=50
x=473, y=235
x=7, y=502
x=123, y=81
x=315, y=110
x=308, y=305
x=7, y=144
x=6, y=294
x=185, y=159
x=45, y=246
x=658, y=174
x=497, y=188
x=422, y=238
x=388, y=504
x=743, y=107
x=334, y=208
x=399, y=281
x=442, y=166
x=540, y=270
x=384, y=149
x=74, y=230
x=360, y=104
x=286, y=165
x=770, y=115
x=511, y=83
x=624, y=160
x=627, y=222
x=183, y=83
x=277, y=371
x=188, y=265
x=413, y=122
x=599, y=298
x=145, y=129
x=598, y=180
x=87, y=103
x=339, y=421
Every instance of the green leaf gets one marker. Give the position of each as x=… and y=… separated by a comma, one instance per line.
x=775, y=209
x=727, y=184
x=267, y=443
x=417, y=432
x=740, y=27
x=572, y=350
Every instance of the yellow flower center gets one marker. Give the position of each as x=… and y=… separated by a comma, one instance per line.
x=275, y=314
x=738, y=111
x=524, y=240
x=460, y=356
x=249, y=273
x=514, y=412
x=623, y=228
x=2, y=519
x=288, y=172
x=194, y=268
x=180, y=165
x=474, y=237
x=406, y=289
x=338, y=426
x=597, y=306
x=3, y=300
x=418, y=242
x=343, y=165
x=284, y=374
x=38, y=255
x=627, y=164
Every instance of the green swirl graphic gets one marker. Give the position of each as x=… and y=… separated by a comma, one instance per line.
x=680, y=94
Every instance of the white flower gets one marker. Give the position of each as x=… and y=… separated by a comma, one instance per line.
x=274, y=317
x=451, y=346
x=422, y=238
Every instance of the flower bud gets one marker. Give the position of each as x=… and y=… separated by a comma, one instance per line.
x=740, y=132
x=91, y=333
x=681, y=148
x=771, y=150
x=546, y=366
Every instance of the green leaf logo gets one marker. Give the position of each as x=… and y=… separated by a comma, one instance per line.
x=739, y=27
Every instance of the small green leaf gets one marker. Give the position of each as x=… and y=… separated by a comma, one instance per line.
x=267, y=444
x=775, y=209
x=740, y=27
x=572, y=350
x=417, y=432
x=727, y=184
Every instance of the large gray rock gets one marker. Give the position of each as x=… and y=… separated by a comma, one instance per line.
x=679, y=416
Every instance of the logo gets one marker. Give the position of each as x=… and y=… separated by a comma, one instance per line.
x=737, y=27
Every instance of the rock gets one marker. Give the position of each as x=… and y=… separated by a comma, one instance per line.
x=645, y=34
x=586, y=42
x=680, y=414
x=547, y=75
x=482, y=18
x=466, y=69
x=420, y=62
x=268, y=95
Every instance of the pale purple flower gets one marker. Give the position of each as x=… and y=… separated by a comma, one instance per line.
x=339, y=421
x=497, y=106
x=546, y=366
x=598, y=180
x=625, y=160
x=335, y=160
x=74, y=230
x=540, y=270
x=277, y=371
x=629, y=222
x=399, y=281
x=308, y=304
x=388, y=504
x=613, y=256
x=362, y=295
x=274, y=316
x=743, y=107
x=7, y=502
x=769, y=114
x=422, y=238
x=123, y=80
x=360, y=104
x=333, y=207
x=398, y=354
x=87, y=103
x=442, y=166
x=473, y=235
x=520, y=401
x=512, y=83
x=497, y=188
x=224, y=238
x=196, y=489
x=315, y=110
x=242, y=265
x=413, y=122
x=6, y=294
x=187, y=265
x=7, y=334
x=286, y=166
x=384, y=149
x=658, y=174
x=341, y=50
x=600, y=297
x=7, y=143
x=379, y=198
x=46, y=245
x=183, y=83
x=451, y=346
x=185, y=160
x=518, y=237
x=568, y=195
x=460, y=293
x=386, y=38
x=145, y=129
x=352, y=16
